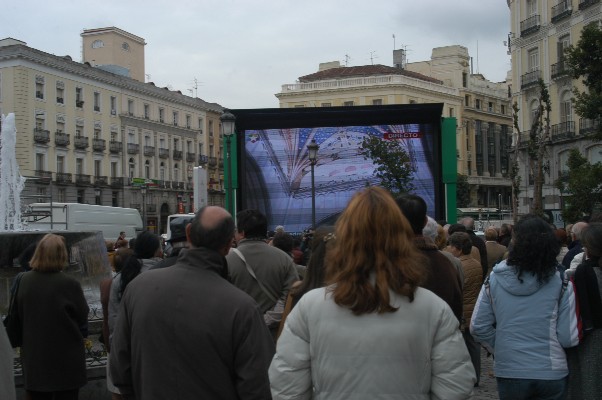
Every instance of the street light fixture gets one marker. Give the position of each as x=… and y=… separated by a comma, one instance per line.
x=143, y=193
x=97, y=195
x=227, y=125
x=313, y=148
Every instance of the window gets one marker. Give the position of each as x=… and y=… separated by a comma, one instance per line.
x=161, y=143
x=96, y=101
x=162, y=172
x=113, y=105
x=60, y=164
x=132, y=171
x=531, y=7
x=39, y=89
x=40, y=162
x=161, y=115
x=477, y=104
x=210, y=128
x=189, y=146
x=176, y=143
x=114, y=199
x=60, y=127
x=377, y=102
x=96, y=133
x=490, y=106
x=147, y=169
x=533, y=60
x=201, y=124
x=326, y=104
x=211, y=154
x=464, y=79
x=146, y=111
x=503, y=109
x=175, y=118
x=176, y=173
x=565, y=107
x=81, y=196
x=467, y=100
x=188, y=124
x=79, y=97
x=147, y=140
x=563, y=43
x=60, y=93
x=79, y=166
x=130, y=107
x=97, y=44
x=131, y=137
x=347, y=103
x=62, y=197
x=125, y=46
x=97, y=167
x=113, y=169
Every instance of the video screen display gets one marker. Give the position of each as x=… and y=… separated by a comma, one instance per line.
x=276, y=169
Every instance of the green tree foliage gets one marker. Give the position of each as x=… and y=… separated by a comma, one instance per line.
x=583, y=183
x=463, y=191
x=585, y=60
x=393, y=164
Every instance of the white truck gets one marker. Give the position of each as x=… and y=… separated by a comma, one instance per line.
x=84, y=217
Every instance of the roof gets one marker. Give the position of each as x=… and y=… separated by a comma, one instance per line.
x=363, y=70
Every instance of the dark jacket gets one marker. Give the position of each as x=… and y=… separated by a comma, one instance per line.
x=442, y=278
x=185, y=332
x=574, y=248
x=52, y=307
x=480, y=244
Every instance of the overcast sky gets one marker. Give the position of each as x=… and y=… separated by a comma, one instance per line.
x=242, y=51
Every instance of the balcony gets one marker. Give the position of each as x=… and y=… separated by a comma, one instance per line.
x=99, y=144
x=583, y=4
x=149, y=151
x=115, y=147
x=80, y=142
x=588, y=126
x=177, y=155
x=559, y=70
x=116, y=181
x=101, y=181
x=44, y=177
x=82, y=180
x=79, y=103
x=177, y=185
x=203, y=159
x=164, y=185
x=133, y=148
x=163, y=153
x=530, y=25
x=530, y=79
x=60, y=100
x=63, y=178
x=561, y=10
x=61, y=139
x=39, y=94
x=190, y=157
x=41, y=135
x=212, y=161
x=563, y=131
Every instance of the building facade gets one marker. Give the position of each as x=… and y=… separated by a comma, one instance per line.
x=481, y=107
x=88, y=135
x=540, y=31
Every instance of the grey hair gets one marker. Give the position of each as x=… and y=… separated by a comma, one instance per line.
x=430, y=229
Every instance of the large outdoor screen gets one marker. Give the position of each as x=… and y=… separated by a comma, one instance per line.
x=275, y=170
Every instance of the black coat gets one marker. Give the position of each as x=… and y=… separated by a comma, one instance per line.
x=185, y=332
x=54, y=310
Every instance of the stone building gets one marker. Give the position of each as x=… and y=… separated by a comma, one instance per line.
x=90, y=133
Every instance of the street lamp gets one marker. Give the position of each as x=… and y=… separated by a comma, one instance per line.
x=143, y=193
x=227, y=125
x=97, y=195
x=313, y=148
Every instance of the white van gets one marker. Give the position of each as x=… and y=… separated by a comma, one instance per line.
x=84, y=217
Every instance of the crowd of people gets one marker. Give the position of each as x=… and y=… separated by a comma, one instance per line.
x=387, y=303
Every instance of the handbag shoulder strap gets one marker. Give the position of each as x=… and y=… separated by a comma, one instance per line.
x=252, y=273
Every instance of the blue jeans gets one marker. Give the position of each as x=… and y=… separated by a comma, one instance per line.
x=536, y=389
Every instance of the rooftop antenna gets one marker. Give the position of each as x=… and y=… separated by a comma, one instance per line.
x=196, y=87
x=393, y=41
x=347, y=58
x=477, y=56
x=372, y=57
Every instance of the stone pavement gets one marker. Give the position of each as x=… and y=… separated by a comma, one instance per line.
x=97, y=389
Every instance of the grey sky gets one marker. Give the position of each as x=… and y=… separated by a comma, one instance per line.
x=242, y=51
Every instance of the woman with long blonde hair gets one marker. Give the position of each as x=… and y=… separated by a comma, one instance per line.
x=372, y=331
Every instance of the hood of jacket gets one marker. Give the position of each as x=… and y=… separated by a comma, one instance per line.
x=507, y=278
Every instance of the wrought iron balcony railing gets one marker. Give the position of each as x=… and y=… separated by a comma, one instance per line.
x=563, y=131
x=149, y=150
x=177, y=155
x=163, y=153
x=530, y=25
x=115, y=147
x=80, y=142
x=99, y=144
x=61, y=139
x=41, y=135
x=530, y=79
x=133, y=148
x=63, y=178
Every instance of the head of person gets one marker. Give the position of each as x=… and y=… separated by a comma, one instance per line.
x=283, y=241
x=491, y=234
x=592, y=242
x=122, y=235
x=26, y=255
x=505, y=230
x=413, y=208
x=251, y=224
x=279, y=229
x=177, y=239
x=441, y=238
x=561, y=236
x=578, y=229
x=460, y=243
x=50, y=254
x=121, y=257
x=453, y=228
x=534, y=248
x=468, y=223
x=212, y=228
x=430, y=229
x=376, y=256
x=324, y=239
x=147, y=245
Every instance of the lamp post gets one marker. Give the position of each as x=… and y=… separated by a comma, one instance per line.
x=97, y=195
x=227, y=120
x=313, y=148
x=143, y=193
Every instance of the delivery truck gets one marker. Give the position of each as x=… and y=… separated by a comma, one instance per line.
x=84, y=217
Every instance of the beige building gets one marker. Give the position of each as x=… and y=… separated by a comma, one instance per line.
x=98, y=137
x=481, y=107
x=540, y=30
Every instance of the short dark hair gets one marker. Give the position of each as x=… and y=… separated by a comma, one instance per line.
x=253, y=223
x=461, y=240
x=283, y=241
x=215, y=237
x=453, y=228
x=413, y=208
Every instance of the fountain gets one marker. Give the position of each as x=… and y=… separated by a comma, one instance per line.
x=88, y=259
